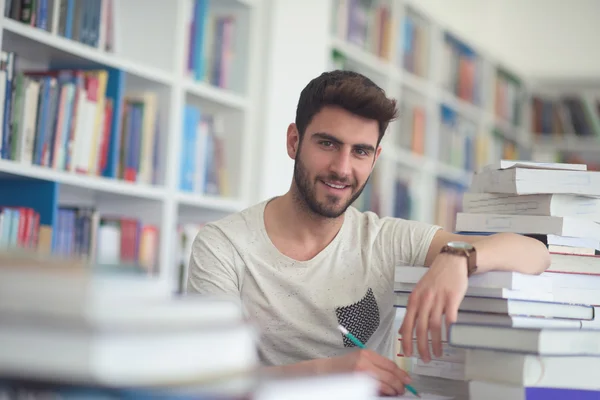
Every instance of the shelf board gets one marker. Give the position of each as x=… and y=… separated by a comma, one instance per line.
x=511, y=132
x=464, y=108
x=42, y=43
x=416, y=83
x=406, y=157
x=215, y=94
x=568, y=142
x=197, y=200
x=248, y=3
x=94, y=183
x=453, y=174
x=364, y=58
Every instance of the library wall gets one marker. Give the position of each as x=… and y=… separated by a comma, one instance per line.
x=546, y=39
x=297, y=52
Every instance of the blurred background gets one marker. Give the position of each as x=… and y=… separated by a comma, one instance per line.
x=127, y=124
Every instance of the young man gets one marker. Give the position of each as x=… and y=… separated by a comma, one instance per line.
x=305, y=262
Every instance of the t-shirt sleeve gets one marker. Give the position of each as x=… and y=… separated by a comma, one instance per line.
x=212, y=269
x=410, y=240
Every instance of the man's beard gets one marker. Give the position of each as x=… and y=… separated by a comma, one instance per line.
x=330, y=208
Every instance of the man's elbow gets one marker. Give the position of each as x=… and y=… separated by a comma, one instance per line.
x=542, y=259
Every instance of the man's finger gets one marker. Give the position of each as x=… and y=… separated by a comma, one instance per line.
x=422, y=326
x=387, y=390
x=451, y=310
x=388, y=365
x=387, y=379
x=406, y=330
x=435, y=327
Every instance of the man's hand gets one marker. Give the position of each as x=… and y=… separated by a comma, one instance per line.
x=438, y=293
x=391, y=378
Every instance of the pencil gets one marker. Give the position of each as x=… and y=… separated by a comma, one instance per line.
x=360, y=344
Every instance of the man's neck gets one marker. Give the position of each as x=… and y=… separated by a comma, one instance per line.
x=291, y=226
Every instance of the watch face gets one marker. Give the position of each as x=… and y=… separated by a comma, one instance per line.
x=461, y=245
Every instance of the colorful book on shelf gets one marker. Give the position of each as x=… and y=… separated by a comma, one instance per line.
x=56, y=109
x=203, y=164
x=88, y=22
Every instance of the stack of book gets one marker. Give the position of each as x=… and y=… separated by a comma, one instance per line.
x=554, y=203
x=73, y=330
x=558, y=204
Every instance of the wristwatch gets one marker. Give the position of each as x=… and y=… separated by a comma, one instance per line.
x=464, y=249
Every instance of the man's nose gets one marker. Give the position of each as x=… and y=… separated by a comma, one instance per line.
x=341, y=164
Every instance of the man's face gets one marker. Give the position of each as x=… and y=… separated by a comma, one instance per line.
x=334, y=160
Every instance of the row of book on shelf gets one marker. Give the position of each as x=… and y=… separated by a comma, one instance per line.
x=211, y=48
x=83, y=121
x=84, y=234
x=90, y=22
x=562, y=115
x=81, y=233
x=518, y=335
x=211, y=34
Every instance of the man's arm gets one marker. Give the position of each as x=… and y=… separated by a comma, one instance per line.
x=442, y=289
x=498, y=252
x=391, y=378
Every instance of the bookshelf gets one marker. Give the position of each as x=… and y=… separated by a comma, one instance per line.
x=152, y=65
x=460, y=107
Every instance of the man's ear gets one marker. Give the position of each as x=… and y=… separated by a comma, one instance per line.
x=377, y=153
x=293, y=140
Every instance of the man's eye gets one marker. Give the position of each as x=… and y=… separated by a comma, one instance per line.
x=326, y=143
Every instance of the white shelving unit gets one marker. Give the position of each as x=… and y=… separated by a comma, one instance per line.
x=151, y=38
x=422, y=170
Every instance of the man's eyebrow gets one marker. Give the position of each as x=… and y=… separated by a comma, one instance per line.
x=326, y=136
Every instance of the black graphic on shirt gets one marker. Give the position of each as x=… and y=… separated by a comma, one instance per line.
x=361, y=318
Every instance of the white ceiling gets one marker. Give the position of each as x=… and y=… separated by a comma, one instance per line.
x=539, y=38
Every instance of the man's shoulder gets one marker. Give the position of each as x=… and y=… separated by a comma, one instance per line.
x=371, y=218
x=382, y=225
x=240, y=223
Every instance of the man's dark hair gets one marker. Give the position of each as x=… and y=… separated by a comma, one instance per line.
x=349, y=90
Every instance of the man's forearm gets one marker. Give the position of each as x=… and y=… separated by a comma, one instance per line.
x=512, y=252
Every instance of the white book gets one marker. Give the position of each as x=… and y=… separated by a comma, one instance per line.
x=576, y=251
x=132, y=315
x=557, y=240
x=351, y=386
x=492, y=279
x=558, y=205
x=568, y=280
x=506, y=164
x=538, y=341
x=580, y=296
x=497, y=293
x=536, y=181
x=577, y=264
x=532, y=370
x=514, y=307
x=528, y=224
x=482, y=318
x=125, y=360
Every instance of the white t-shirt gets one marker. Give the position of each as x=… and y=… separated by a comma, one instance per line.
x=297, y=305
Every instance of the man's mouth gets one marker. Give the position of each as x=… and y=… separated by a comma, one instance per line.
x=333, y=185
